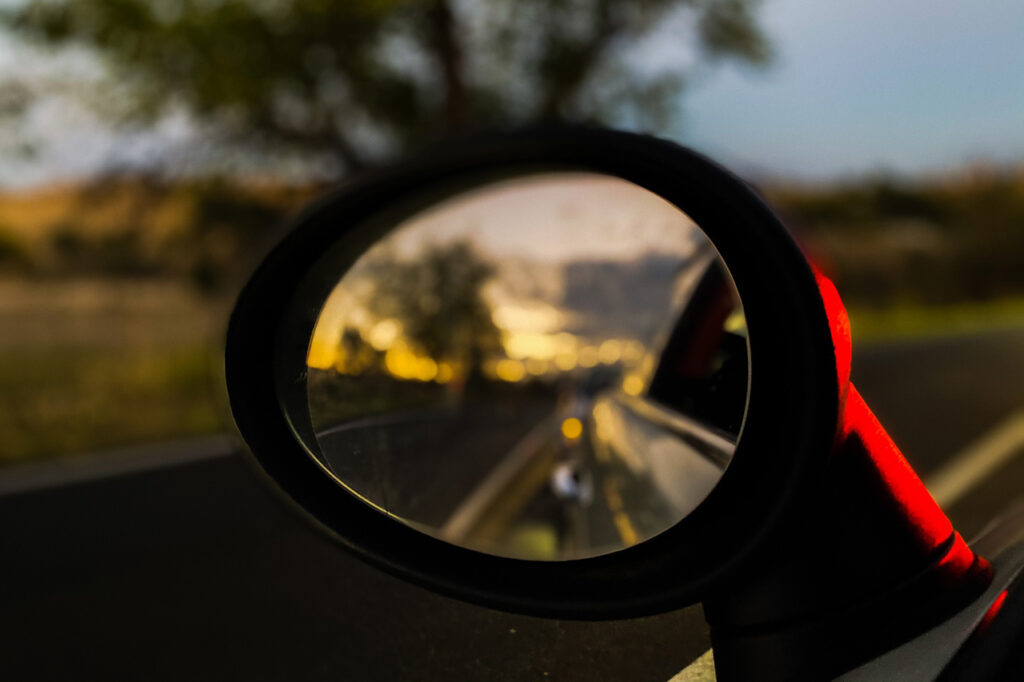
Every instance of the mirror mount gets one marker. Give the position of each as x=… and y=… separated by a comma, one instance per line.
x=868, y=560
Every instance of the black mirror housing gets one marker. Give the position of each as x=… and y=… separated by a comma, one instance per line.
x=816, y=529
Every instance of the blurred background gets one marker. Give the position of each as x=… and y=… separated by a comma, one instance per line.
x=150, y=149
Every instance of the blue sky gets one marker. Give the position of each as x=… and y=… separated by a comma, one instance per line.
x=857, y=86
x=861, y=86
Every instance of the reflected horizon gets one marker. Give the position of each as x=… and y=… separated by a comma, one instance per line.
x=544, y=256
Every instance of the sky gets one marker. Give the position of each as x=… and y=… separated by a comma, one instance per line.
x=552, y=217
x=862, y=86
x=857, y=87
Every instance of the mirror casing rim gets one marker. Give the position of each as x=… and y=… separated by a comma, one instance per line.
x=792, y=399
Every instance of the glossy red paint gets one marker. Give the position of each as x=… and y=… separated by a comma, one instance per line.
x=993, y=611
x=867, y=562
x=905, y=489
x=897, y=484
x=839, y=325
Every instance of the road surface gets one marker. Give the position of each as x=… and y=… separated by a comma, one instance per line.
x=420, y=464
x=195, y=571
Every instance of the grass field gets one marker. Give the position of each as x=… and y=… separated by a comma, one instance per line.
x=89, y=365
x=909, y=321
x=63, y=400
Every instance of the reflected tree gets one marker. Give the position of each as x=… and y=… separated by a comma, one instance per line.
x=439, y=299
x=358, y=357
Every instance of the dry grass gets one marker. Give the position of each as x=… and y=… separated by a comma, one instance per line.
x=915, y=321
x=94, y=364
x=62, y=400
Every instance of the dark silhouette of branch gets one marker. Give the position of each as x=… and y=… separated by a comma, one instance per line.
x=449, y=56
x=570, y=69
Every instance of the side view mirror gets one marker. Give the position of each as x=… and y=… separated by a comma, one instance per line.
x=588, y=374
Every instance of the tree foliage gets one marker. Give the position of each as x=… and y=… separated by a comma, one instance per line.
x=936, y=240
x=439, y=299
x=356, y=79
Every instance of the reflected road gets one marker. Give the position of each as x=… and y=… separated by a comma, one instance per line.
x=507, y=477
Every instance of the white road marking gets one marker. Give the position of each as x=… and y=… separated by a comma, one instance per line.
x=960, y=475
x=463, y=518
x=977, y=461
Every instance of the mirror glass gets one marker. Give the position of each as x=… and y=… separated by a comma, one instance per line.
x=548, y=367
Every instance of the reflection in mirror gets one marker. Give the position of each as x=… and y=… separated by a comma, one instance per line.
x=548, y=367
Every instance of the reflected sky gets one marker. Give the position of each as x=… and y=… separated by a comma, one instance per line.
x=580, y=264
x=553, y=218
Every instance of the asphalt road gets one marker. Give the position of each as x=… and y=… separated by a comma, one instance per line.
x=934, y=396
x=420, y=465
x=195, y=571
x=937, y=396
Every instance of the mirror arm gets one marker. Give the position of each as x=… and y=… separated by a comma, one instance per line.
x=866, y=561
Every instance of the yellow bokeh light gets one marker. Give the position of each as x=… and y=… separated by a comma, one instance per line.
x=632, y=351
x=537, y=367
x=633, y=384
x=510, y=370
x=531, y=345
x=609, y=352
x=384, y=333
x=565, y=361
x=572, y=428
x=566, y=342
x=426, y=369
x=535, y=316
x=445, y=373
x=400, y=362
x=588, y=356
x=736, y=322
x=403, y=363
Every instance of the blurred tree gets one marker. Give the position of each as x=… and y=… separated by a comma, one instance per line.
x=357, y=356
x=936, y=240
x=348, y=82
x=14, y=256
x=438, y=297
